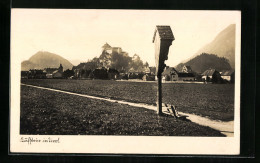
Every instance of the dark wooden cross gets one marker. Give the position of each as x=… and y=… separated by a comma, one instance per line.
x=162, y=40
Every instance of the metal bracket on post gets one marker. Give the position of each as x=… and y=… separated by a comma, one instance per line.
x=162, y=38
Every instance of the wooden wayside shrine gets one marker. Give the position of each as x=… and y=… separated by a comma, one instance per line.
x=162, y=40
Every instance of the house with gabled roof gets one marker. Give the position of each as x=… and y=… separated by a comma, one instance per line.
x=146, y=70
x=186, y=76
x=186, y=69
x=149, y=73
x=228, y=75
x=148, y=77
x=57, y=74
x=210, y=74
x=54, y=72
x=170, y=74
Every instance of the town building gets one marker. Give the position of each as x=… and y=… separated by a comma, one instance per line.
x=228, y=75
x=36, y=74
x=211, y=75
x=54, y=72
x=112, y=74
x=171, y=74
x=83, y=70
x=99, y=73
x=186, y=77
x=148, y=77
x=147, y=70
x=186, y=69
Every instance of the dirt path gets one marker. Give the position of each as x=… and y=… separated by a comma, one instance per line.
x=226, y=128
x=143, y=81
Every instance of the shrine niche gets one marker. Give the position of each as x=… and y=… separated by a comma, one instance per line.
x=162, y=40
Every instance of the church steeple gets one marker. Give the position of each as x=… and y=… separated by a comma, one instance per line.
x=61, y=68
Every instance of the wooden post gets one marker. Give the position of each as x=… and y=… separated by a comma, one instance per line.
x=159, y=94
x=162, y=40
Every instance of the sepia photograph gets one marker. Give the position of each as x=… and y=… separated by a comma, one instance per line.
x=125, y=81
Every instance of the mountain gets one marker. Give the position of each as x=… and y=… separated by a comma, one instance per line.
x=44, y=59
x=27, y=65
x=205, y=61
x=218, y=54
x=223, y=45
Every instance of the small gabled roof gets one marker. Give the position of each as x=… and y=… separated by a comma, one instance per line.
x=56, y=71
x=169, y=70
x=164, y=31
x=208, y=72
x=188, y=67
x=227, y=73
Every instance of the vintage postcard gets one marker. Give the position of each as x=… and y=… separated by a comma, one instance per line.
x=125, y=81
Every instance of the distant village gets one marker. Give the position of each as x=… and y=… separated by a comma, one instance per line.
x=86, y=70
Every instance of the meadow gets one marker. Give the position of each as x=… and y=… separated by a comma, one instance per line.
x=47, y=112
x=215, y=101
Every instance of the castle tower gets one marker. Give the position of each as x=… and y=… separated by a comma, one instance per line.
x=106, y=47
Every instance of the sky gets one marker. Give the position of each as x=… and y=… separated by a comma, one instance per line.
x=79, y=34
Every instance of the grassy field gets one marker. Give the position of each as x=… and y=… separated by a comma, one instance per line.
x=215, y=101
x=46, y=112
